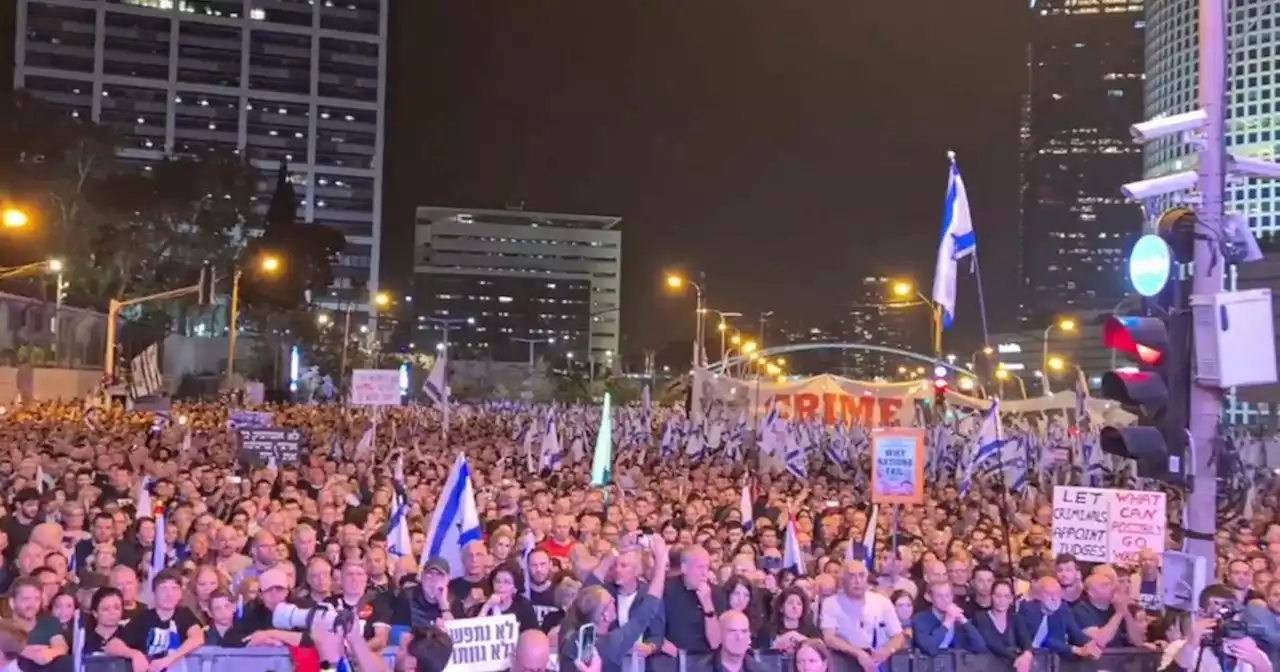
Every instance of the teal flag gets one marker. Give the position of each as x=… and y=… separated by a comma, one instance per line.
x=602, y=463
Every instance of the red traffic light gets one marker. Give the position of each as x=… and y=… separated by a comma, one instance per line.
x=1135, y=389
x=1145, y=339
x=940, y=384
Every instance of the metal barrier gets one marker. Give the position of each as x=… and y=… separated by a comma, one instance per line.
x=276, y=659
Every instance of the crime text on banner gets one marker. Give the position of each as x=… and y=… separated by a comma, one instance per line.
x=482, y=644
x=375, y=387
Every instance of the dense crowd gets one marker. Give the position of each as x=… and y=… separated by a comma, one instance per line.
x=660, y=562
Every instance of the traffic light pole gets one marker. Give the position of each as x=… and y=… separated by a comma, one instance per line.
x=1206, y=402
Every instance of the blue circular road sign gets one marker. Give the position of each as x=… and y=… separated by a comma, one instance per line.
x=1149, y=265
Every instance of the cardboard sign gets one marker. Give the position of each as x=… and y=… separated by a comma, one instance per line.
x=375, y=387
x=1106, y=525
x=270, y=445
x=482, y=644
x=897, y=466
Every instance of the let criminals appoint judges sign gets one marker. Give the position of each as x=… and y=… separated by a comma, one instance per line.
x=1105, y=525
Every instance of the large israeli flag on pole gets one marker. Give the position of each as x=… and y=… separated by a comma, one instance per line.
x=958, y=241
x=455, y=522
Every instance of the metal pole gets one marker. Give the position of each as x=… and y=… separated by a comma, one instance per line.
x=531, y=355
x=57, y=313
x=1206, y=402
x=346, y=343
x=233, y=323
x=109, y=364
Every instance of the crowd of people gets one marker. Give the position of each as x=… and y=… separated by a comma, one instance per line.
x=660, y=564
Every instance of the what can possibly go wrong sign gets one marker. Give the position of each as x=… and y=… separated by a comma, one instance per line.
x=1106, y=525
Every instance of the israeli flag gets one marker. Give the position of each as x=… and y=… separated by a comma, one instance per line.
x=399, y=543
x=434, y=387
x=989, y=443
x=958, y=241
x=792, y=558
x=552, y=451
x=159, y=551
x=455, y=522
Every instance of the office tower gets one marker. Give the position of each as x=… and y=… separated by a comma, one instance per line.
x=283, y=80
x=1085, y=73
x=502, y=275
x=878, y=318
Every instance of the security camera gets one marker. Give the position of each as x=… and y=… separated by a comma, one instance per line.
x=1159, y=186
x=1253, y=167
x=1154, y=129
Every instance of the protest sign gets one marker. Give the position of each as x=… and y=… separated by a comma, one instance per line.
x=482, y=644
x=897, y=461
x=270, y=445
x=375, y=387
x=249, y=419
x=1106, y=525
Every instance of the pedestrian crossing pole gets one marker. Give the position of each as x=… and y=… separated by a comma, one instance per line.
x=1206, y=401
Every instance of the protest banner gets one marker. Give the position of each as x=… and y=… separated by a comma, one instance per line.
x=482, y=644
x=270, y=445
x=375, y=387
x=239, y=419
x=897, y=461
x=1106, y=525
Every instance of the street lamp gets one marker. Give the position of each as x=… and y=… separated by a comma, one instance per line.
x=267, y=263
x=382, y=299
x=1057, y=364
x=1002, y=374
x=1066, y=325
x=323, y=319
x=723, y=326
x=904, y=289
x=56, y=267
x=14, y=218
x=531, y=342
x=677, y=283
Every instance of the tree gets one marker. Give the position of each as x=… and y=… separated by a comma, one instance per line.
x=307, y=253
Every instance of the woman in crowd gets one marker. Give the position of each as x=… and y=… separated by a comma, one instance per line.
x=1004, y=634
x=63, y=608
x=108, y=610
x=793, y=621
x=905, y=606
x=741, y=595
x=200, y=588
x=506, y=596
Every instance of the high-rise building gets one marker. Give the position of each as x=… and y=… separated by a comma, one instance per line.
x=295, y=80
x=1085, y=74
x=1172, y=87
x=505, y=275
x=873, y=320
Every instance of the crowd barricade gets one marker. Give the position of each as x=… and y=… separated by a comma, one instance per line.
x=276, y=659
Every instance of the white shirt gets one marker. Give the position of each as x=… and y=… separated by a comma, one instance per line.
x=624, y=606
x=866, y=624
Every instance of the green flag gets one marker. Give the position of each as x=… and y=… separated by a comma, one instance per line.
x=602, y=463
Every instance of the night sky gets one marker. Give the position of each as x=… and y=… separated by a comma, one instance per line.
x=784, y=148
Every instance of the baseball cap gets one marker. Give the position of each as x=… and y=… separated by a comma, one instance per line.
x=437, y=565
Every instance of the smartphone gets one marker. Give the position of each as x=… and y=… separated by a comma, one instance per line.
x=646, y=542
x=235, y=480
x=586, y=643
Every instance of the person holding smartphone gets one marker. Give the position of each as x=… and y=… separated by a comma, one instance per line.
x=588, y=629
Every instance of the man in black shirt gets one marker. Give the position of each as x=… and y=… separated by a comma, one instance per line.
x=103, y=533
x=18, y=526
x=689, y=603
x=428, y=604
x=165, y=633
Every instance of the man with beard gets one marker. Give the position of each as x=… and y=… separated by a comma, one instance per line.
x=542, y=587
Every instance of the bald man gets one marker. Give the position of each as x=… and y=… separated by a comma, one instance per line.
x=1105, y=616
x=533, y=652
x=735, y=643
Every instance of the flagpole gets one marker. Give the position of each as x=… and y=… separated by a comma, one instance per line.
x=977, y=272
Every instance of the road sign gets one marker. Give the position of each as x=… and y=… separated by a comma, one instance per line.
x=1149, y=265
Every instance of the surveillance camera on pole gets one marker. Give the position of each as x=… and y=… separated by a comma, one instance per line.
x=1244, y=165
x=1154, y=129
x=1155, y=187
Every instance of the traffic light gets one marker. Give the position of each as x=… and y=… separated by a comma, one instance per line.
x=1160, y=431
x=208, y=286
x=939, y=392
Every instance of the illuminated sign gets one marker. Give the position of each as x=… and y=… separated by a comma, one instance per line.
x=1013, y=366
x=1008, y=348
x=1149, y=265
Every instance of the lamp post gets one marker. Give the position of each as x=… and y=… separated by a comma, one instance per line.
x=532, y=342
x=1004, y=374
x=56, y=267
x=448, y=324
x=677, y=282
x=1065, y=325
x=723, y=326
x=267, y=264
x=905, y=289
x=14, y=218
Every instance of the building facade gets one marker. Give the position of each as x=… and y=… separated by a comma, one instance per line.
x=875, y=319
x=507, y=277
x=1085, y=78
x=283, y=80
x=1253, y=99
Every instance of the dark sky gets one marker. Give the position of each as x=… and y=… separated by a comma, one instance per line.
x=785, y=148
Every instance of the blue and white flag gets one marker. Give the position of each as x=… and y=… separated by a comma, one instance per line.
x=455, y=522
x=988, y=443
x=958, y=242
x=552, y=451
x=746, y=509
x=797, y=458
x=436, y=388
x=159, y=551
x=792, y=558
x=399, y=542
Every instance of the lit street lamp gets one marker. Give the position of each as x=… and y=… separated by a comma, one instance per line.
x=1066, y=325
x=905, y=289
x=531, y=342
x=269, y=264
x=677, y=283
x=14, y=218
